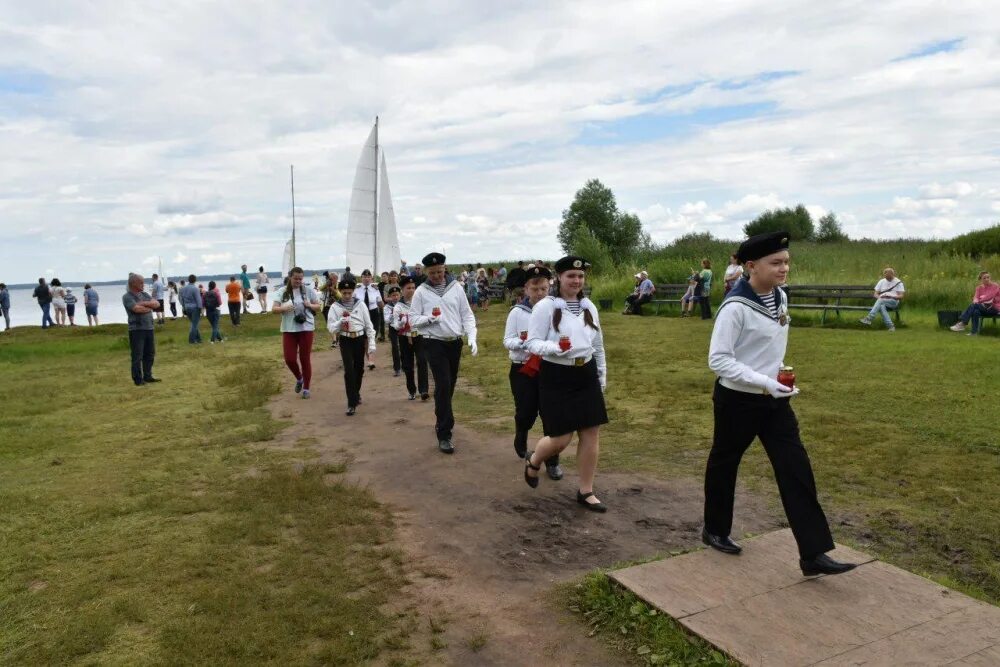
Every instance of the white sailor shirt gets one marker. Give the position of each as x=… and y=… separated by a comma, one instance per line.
x=517, y=321
x=359, y=322
x=748, y=340
x=456, y=316
x=387, y=315
x=585, y=341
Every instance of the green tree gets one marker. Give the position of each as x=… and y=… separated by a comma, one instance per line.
x=830, y=230
x=796, y=221
x=595, y=208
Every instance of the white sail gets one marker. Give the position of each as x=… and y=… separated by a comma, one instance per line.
x=288, y=259
x=387, y=252
x=361, y=217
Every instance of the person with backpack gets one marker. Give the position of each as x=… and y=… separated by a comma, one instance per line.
x=213, y=301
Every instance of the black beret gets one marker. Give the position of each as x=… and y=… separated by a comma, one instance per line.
x=572, y=262
x=433, y=259
x=393, y=289
x=404, y=281
x=366, y=272
x=346, y=284
x=762, y=245
x=534, y=271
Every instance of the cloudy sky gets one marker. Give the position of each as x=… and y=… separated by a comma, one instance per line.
x=131, y=131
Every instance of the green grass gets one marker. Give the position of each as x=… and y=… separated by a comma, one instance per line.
x=628, y=624
x=901, y=429
x=141, y=526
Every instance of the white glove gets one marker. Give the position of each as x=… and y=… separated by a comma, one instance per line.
x=602, y=377
x=554, y=349
x=778, y=390
x=371, y=349
x=474, y=348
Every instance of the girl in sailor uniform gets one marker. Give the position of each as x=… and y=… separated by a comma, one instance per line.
x=746, y=353
x=564, y=330
x=523, y=369
x=350, y=321
x=411, y=347
x=441, y=313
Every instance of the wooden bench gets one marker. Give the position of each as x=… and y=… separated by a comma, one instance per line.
x=832, y=297
x=667, y=294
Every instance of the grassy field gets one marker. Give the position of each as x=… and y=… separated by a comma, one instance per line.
x=902, y=430
x=141, y=526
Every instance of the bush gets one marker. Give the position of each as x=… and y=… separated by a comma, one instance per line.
x=796, y=221
x=977, y=244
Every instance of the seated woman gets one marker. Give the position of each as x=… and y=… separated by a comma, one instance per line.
x=733, y=273
x=985, y=302
x=691, y=295
x=888, y=293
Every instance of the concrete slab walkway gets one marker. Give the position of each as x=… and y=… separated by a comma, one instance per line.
x=758, y=608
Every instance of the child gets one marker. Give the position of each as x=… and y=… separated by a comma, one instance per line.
x=349, y=319
x=391, y=298
x=690, y=296
x=523, y=370
x=410, y=343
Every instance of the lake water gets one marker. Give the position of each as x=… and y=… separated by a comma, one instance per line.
x=24, y=308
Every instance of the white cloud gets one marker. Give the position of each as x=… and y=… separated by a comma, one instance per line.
x=217, y=258
x=183, y=128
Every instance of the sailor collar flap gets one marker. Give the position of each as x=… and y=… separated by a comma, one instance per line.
x=520, y=305
x=450, y=286
x=743, y=294
x=560, y=304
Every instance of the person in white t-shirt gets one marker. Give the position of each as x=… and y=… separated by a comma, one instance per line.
x=733, y=273
x=888, y=293
x=297, y=304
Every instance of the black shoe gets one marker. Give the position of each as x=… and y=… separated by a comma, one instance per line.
x=152, y=380
x=593, y=507
x=531, y=480
x=424, y=397
x=445, y=446
x=371, y=367
x=554, y=471
x=521, y=444
x=139, y=383
x=413, y=397
x=823, y=564
x=720, y=543
x=350, y=411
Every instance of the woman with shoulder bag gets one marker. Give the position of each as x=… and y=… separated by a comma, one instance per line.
x=298, y=305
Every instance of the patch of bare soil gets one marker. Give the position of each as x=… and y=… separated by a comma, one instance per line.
x=483, y=550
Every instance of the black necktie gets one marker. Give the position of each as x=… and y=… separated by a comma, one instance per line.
x=366, y=299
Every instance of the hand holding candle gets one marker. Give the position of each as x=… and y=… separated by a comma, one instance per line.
x=786, y=376
x=436, y=312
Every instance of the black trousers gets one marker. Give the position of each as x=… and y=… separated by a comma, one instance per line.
x=394, y=344
x=525, y=392
x=635, y=302
x=739, y=418
x=443, y=357
x=352, y=353
x=378, y=322
x=412, y=350
x=142, y=344
x=234, y=312
x=706, y=307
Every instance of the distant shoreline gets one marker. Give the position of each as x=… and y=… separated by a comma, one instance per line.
x=121, y=281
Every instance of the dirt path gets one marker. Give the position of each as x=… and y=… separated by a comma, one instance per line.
x=483, y=550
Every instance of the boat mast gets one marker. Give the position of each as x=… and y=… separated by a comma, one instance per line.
x=292, y=167
x=375, y=207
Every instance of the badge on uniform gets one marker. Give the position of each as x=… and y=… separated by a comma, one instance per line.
x=783, y=319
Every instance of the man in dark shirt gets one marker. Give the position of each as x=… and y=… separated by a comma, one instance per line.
x=140, y=307
x=44, y=297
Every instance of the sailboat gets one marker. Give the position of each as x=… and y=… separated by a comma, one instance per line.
x=288, y=257
x=371, y=224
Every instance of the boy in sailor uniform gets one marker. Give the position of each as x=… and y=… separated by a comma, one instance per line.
x=524, y=377
x=351, y=322
x=411, y=346
x=746, y=352
x=391, y=297
x=441, y=313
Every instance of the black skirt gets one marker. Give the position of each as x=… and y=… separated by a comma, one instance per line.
x=570, y=398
